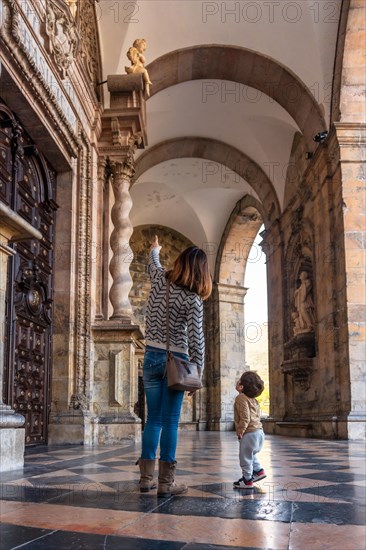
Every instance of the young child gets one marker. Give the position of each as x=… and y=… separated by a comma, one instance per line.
x=249, y=429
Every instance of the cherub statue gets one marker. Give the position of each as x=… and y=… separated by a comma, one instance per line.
x=136, y=55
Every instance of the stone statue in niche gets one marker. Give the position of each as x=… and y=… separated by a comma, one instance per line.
x=303, y=317
x=136, y=55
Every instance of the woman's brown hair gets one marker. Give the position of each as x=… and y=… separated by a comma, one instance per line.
x=190, y=270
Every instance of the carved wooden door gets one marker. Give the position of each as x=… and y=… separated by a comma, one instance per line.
x=27, y=185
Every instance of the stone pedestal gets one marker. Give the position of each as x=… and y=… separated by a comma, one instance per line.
x=106, y=416
x=12, y=446
x=12, y=228
x=115, y=384
x=300, y=358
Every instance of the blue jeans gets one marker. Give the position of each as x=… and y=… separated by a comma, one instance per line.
x=163, y=407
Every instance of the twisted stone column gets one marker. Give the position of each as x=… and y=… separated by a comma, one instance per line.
x=119, y=266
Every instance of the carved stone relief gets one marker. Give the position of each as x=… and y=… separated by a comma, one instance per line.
x=79, y=399
x=19, y=44
x=63, y=36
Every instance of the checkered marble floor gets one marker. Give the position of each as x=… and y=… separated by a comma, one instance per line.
x=87, y=498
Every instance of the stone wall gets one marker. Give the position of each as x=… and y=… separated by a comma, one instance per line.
x=313, y=396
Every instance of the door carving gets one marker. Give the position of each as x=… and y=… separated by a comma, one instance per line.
x=27, y=185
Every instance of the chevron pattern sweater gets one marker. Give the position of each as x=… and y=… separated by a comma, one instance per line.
x=185, y=315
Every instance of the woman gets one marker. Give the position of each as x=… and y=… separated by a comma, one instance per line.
x=190, y=283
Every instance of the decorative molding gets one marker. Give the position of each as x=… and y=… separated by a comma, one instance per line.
x=300, y=370
x=79, y=402
x=102, y=173
x=119, y=330
x=133, y=143
x=89, y=45
x=121, y=380
x=116, y=131
x=116, y=378
x=73, y=7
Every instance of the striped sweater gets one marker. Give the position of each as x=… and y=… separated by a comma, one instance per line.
x=185, y=315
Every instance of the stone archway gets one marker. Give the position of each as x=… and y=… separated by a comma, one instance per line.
x=222, y=153
x=226, y=354
x=247, y=67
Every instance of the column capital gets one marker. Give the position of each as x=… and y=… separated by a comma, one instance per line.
x=231, y=293
x=351, y=133
x=122, y=170
x=346, y=143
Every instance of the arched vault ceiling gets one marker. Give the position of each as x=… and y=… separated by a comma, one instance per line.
x=300, y=35
x=217, y=153
x=284, y=50
x=191, y=195
x=243, y=66
x=234, y=114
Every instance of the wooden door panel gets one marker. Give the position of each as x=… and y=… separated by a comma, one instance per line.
x=30, y=285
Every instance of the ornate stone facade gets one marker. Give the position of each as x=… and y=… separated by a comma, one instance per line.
x=51, y=84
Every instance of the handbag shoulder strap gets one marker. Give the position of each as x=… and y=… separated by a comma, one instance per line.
x=167, y=314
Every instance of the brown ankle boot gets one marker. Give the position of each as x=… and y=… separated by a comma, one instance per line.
x=167, y=486
x=147, y=468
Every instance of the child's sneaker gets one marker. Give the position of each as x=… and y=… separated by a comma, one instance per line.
x=258, y=475
x=243, y=483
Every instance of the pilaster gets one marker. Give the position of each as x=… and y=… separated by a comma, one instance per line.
x=232, y=351
x=351, y=138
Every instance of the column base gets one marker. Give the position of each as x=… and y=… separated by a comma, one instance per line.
x=202, y=426
x=12, y=443
x=356, y=426
x=188, y=426
x=66, y=428
x=77, y=429
x=220, y=425
x=323, y=428
x=12, y=439
x=116, y=433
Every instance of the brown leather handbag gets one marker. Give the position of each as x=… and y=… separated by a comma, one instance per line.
x=182, y=375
